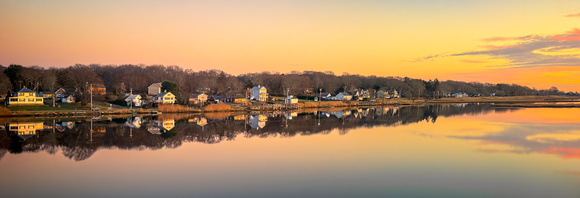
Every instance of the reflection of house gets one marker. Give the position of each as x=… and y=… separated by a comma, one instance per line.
x=154, y=130
x=25, y=130
x=99, y=89
x=197, y=98
x=259, y=93
x=165, y=124
x=154, y=89
x=135, y=99
x=25, y=97
x=291, y=99
x=201, y=121
x=69, y=125
x=165, y=98
x=134, y=122
x=341, y=114
x=258, y=121
x=291, y=115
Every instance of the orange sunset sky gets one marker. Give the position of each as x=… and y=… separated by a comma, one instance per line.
x=529, y=42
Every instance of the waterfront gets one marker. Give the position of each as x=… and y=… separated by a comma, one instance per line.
x=458, y=150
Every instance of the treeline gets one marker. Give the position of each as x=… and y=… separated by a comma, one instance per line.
x=119, y=79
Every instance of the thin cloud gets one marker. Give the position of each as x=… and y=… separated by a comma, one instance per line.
x=474, y=61
x=535, y=51
x=573, y=15
x=495, y=39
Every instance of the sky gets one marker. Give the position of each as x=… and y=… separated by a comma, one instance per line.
x=529, y=42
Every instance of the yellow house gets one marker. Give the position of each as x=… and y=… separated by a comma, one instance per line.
x=25, y=130
x=25, y=97
x=165, y=98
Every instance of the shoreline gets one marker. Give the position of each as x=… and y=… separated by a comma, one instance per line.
x=498, y=102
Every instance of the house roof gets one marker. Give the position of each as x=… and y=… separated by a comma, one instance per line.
x=46, y=92
x=25, y=90
x=100, y=85
x=131, y=97
x=345, y=93
x=195, y=95
x=155, y=85
x=162, y=94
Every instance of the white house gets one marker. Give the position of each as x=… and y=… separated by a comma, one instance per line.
x=343, y=96
x=259, y=93
x=459, y=95
x=198, y=98
x=68, y=99
x=291, y=99
x=135, y=99
x=154, y=89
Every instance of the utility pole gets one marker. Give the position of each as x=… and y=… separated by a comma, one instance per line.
x=91, y=91
x=319, y=96
x=131, y=99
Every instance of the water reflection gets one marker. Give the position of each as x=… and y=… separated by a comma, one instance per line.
x=79, y=139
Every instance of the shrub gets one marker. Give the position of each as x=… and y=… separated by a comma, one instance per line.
x=174, y=108
x=5, y=111
x=218, y=107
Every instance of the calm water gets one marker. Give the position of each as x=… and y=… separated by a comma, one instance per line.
x=462, y=150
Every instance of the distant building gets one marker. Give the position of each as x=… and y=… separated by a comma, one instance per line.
x=154, y=89
x=459, y=95
x=198, y=98
x=164, y=98
x=99, y=89
x=67, y=99
x=236, y=99
x=46, y=94
x=135, y=99
x=383, y=94
x=343, y=96
x=259, y=93
x=25, y=97
x=325, y=95
x=291, y=99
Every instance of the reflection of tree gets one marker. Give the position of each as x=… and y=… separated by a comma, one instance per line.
x=78, y=153
x=79, y=144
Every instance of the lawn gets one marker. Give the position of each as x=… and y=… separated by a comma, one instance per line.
x=37, y=108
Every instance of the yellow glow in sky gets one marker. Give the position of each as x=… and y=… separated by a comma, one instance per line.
x=363, y=37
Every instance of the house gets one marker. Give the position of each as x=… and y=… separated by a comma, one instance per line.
x=154, y=89
x=361, y=94
x=259, y=93
x=383, y=94
x=98, y=89
x=216, y=99
x=198, y=98
x=64, y=91
x=135, y=99
x=25, y=97
x=325, y=95
x=459, y=95
x=165, y=98
x=291, y=99
x=46, y=94
x=68, y=99
x=395, y=94
x=236, y=99
x=343, y=96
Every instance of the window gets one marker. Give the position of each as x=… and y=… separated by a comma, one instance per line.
x=13, y=127
x=38, y=100
x=21, y=100
x=30, y=100
x=13, y=99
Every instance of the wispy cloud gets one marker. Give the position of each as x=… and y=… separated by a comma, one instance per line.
x=573, y=15
x=531, y=51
